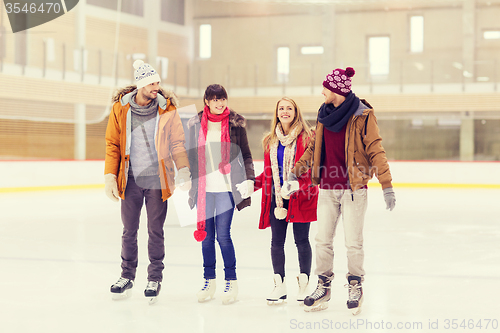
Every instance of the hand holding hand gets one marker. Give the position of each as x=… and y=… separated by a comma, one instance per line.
x=183, y=179
x=390, y=198
x=245, y=188
x=290, y=186
x=110, y=187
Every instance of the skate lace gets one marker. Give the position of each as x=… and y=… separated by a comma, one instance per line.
x=354, y=292
x=319, y=292
x=205, y=287
x=152, y=285
x=121, y=282
x=228, y=286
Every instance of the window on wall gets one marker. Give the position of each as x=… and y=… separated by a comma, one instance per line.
x=2, y=42
x=205, y=41
x=134, y=7
x=416, y=34
x=491, y=34
x=283, y=62
x=306, y=50
x=50, y=49
x=162, y=65
x=379, y=55
x=21, y=48
x=172, y=11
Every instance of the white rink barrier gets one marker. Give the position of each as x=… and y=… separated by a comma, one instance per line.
x=52, y=175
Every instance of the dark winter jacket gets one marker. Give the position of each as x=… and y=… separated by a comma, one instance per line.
x=241, y=158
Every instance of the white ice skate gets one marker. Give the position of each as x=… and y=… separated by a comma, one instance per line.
x=355, y=296
x=207, y=292
x=122, y=289
x=278, y=295
x=303, y=281
x=152, y=291
x=319, y=298
x=230, y=292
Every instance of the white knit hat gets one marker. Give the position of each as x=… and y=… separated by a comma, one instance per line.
x=145, y=74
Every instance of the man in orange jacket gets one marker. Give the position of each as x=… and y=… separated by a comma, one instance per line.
x=144, y=139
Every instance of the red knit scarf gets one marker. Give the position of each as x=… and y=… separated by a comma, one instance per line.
x=224, y=166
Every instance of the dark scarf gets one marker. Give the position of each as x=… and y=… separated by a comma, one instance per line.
x=335, y=118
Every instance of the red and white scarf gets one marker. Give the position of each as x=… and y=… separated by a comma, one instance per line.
x=290, y=143
x=224, y=166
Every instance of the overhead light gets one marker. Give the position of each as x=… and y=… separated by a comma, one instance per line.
x=468, y=74
x=312, y=50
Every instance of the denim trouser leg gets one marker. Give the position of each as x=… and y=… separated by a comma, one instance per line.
x=219, y=215
x=156, y=210
x=332, y=204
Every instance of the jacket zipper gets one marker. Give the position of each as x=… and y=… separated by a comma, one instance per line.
x=347, y=156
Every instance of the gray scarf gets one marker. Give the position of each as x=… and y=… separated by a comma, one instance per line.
x=143, y=110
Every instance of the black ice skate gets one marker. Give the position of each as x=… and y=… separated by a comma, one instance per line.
x=355, y=296
x=122, y=289
x=152, y=291
x=320, y=297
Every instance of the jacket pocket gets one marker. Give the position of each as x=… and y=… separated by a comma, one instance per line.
x=361, y=166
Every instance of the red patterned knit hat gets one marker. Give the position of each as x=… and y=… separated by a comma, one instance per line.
x=339, y=81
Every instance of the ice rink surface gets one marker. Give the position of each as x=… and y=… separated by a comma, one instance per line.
x=431, y=264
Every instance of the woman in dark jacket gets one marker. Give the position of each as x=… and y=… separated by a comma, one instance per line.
x=283, y=146
x=223, y=177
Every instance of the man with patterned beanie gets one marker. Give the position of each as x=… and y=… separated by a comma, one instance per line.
x=144, y=139
x=345, y=154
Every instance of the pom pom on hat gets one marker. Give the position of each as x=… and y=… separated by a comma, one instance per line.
x=339, y=81
x=349, y=71
x=138, y=63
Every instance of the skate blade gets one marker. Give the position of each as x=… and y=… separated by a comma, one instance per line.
x=229, y=301
x=280, y=301
x=314, y=308
x=357, y=310
x=206, y=299
x=119, y=296
x=152, y=300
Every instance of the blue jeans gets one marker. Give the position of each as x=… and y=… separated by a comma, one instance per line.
x=219, y=215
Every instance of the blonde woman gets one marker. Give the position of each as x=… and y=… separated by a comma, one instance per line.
x=283, y=146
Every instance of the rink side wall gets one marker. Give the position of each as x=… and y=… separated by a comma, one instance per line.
x=60, y=175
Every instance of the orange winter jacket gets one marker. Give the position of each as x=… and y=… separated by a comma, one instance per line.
x=365, y=157
x=169, y=140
